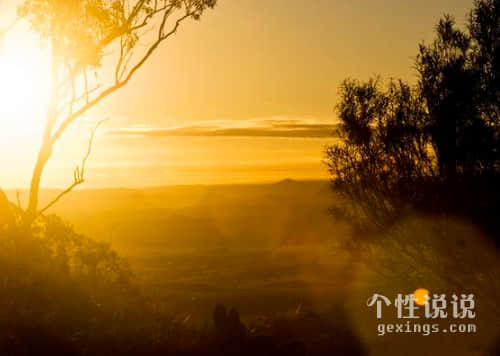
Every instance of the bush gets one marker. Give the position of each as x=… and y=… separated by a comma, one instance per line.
x=66, y=294
x=432, y=147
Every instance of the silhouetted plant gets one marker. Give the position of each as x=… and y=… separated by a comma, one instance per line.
x=83, y=36
x=228, y=325
x=65, y=294
x=432, y=147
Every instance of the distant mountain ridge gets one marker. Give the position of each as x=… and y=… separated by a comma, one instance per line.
x=284, y=212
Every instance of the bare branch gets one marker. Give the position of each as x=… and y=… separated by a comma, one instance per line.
x=125, y=29
x=120, y=60
x=72, y=92
x=78, y=174
x=105, y=93
x=146, y=20
x=18, y=196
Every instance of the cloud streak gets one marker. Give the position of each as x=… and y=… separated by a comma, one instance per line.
x=269, y=127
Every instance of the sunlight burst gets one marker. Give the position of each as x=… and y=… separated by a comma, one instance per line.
x=24, y=84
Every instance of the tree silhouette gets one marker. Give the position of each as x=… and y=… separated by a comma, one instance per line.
x=432, y=147
x=85, y=36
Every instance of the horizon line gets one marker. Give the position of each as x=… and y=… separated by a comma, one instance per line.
x=285, y=180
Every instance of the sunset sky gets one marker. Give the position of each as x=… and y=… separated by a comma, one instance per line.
x=244, y=95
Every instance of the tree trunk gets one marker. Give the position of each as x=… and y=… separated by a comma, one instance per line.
x=43, y=157
x=46, y=146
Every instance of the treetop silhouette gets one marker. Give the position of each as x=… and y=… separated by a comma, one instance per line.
x=433, y=147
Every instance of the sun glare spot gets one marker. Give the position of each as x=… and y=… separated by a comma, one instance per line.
x=421, y=296
x=24, y=84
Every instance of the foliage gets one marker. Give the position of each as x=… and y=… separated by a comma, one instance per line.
x=57, y=284
x=384, y=151
x=432, y=147
x=66, y=294
x=81, y=30
x=95, y=51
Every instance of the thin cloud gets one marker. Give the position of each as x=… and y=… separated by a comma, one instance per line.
x=269, y=127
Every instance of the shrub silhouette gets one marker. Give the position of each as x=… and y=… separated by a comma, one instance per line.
x=63, y=293
x=292, y=334
x=59, y=288
x=66, y=294
x=432, y=147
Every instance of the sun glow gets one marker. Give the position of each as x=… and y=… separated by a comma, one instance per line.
x=24, y=84
x=24, y=87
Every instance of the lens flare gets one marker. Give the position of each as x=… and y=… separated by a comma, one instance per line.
x=421, y=296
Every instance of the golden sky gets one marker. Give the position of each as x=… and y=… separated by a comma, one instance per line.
x=261, y=58
x=261, y=70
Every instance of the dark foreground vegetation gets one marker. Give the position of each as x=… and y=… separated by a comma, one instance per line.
x=296, y=294
x=431, y=148
x=65, y=294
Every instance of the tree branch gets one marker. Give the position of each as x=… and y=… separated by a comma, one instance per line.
x=18, y=197
x=78, y=174
x=127, y=28
x=72, y=95
x=105, y=93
